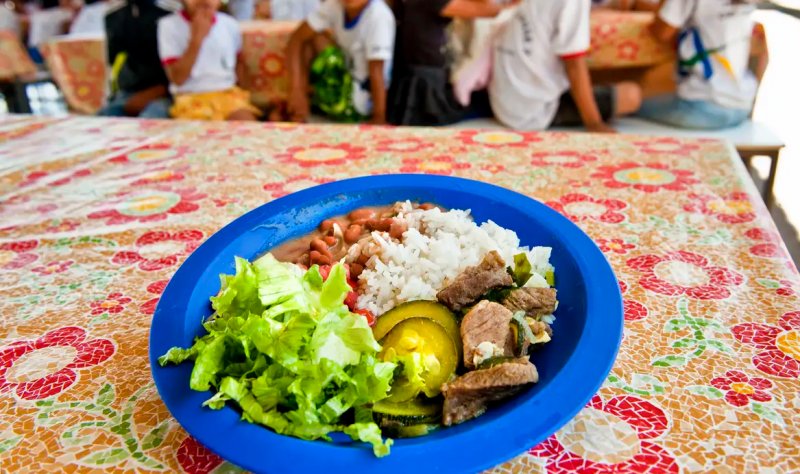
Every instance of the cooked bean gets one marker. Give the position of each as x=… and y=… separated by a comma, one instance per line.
x=361, y=222
x=319, y=259
x=355, y=270
x=352, y=234
x=319, y=245
x=397, y=229
x=362, y=259
x=427, y=206
x=382, y=225
x=361, y=214
x=329, y=240
x=326, y=225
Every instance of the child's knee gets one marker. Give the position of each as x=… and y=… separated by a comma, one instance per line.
x=628, y=97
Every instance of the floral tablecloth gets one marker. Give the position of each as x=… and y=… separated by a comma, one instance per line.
x=78, y=66
x=97, y=214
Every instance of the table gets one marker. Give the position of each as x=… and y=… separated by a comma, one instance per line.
x=97, y=214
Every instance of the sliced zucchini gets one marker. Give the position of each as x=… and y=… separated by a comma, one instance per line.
x=412, y=412
x=431, y=340
x=412, y=431
x=493, y=361
x=419, y=309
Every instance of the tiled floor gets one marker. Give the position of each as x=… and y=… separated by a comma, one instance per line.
x=778, y=105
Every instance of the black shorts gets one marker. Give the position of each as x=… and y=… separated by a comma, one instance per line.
x=568, y=114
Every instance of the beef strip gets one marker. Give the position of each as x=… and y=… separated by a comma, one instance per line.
x=486, y=322
x=475, y=281
x=467, y=396
x=536, y=302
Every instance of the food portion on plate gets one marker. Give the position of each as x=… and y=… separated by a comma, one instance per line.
x=387, y=322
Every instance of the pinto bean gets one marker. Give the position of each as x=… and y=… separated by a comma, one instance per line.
x=382, y=225
x=355, y=270
x=427, y=206
x=397, y=229
x=361, y=214
x=320, y=246
x=353, y=233
x=330, y=240
x=318, y=258
x=362, y=259
x=326, y=226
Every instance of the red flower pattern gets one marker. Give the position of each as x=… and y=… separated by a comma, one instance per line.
x=685, y=273
x=53, y=267
x=633, y=310
x=322, y=154
x=735, y=208
x=58, y=355
x=444, y=165
x=295, y=183
x=194, y=458
x=565, y=159
x=740, y=389
x=628, y=50
x=498, y=138
x=15, y=255
x=114, y=303
x=405, y=145
x=788, y=288
x=159, y=249
x=769, y=245
x=779, y=345
x=617, y=246
x=150, y=205
x=672, y=146
x=645, y=177
x=580, y=207
x=622, y=439
x=155, y=288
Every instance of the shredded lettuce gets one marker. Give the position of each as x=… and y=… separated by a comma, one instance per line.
x=283, y=347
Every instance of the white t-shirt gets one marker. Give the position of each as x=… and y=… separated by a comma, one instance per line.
x=215, y=67
x=369, y=38
x=716, y=35
x=90, y=20
x=528, y=73
x=292, y=9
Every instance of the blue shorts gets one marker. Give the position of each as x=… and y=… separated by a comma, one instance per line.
x=691, y=114
x=157, y=109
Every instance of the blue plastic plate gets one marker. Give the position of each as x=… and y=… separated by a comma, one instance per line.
x=572, y=367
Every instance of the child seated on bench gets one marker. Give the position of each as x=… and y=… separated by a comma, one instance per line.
x=540, y=77
x=351, y=66
x=636, y=5
x=715, y=87
x=199, y=49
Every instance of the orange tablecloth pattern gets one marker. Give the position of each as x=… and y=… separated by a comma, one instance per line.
x=14, y=59
x=622, y=39
x=78, y=66
x=97, y=214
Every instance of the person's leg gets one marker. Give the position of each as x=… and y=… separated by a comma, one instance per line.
x=606, y=98
x=690, y=114
x=115, y=106
x=627, y=98
x=157, y=109
x=242, y=115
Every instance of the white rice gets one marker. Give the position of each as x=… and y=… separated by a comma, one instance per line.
x=436, y=247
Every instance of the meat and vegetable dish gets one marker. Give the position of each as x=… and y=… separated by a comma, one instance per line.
x=386, y=322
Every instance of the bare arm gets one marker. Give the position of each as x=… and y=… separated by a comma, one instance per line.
x=378, y=89
x=473, y=8
x=581, y=89
x=298, y=75
x=179, y=71
x=663, y=31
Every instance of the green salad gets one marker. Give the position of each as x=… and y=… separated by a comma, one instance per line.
x=283, y=346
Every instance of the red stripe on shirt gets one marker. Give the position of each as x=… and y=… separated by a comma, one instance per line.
x=169, y=61
x=574, y=55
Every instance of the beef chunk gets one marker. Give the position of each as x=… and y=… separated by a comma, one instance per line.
x=474, y=282
x=468, y=396
x=536, y=302
x=486, y=322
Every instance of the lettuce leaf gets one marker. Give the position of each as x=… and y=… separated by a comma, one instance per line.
x=283, y=347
